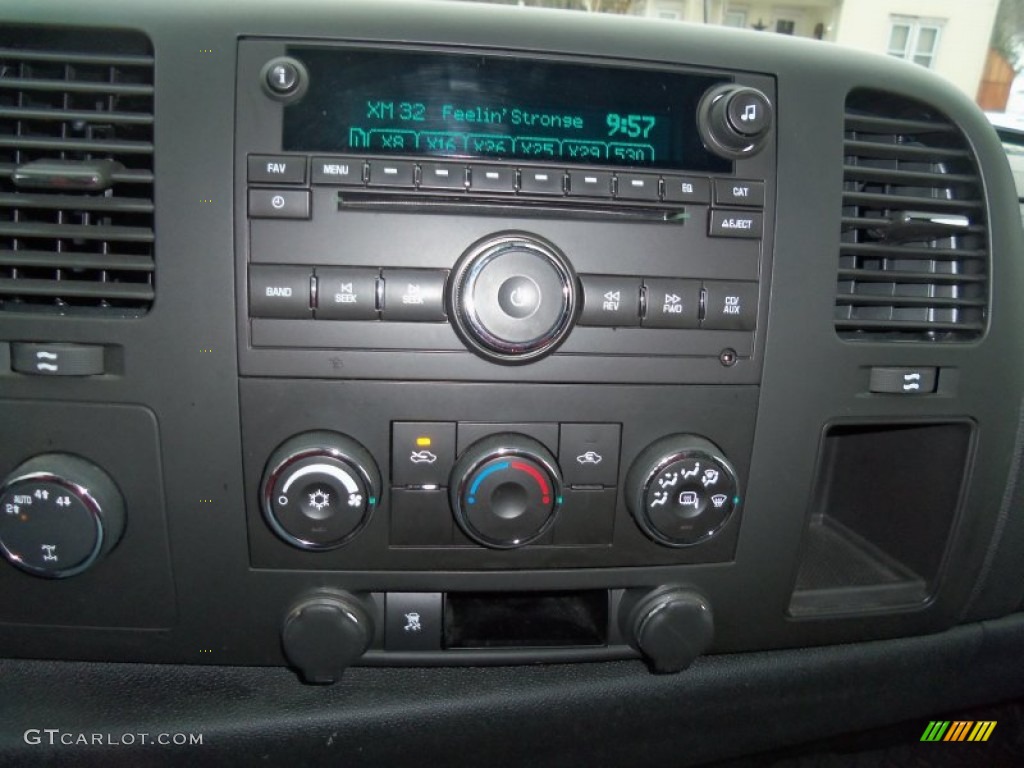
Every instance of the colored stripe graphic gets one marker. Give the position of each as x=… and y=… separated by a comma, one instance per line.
x=935, y=731
x=982, y=730
x=958, y=730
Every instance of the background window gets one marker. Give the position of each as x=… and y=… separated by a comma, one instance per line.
x=914, y=40
x=785, y=26
x=735, y=19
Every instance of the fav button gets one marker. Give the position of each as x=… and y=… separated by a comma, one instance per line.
x=276, y=169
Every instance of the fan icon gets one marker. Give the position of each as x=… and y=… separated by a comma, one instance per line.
x=319, y=499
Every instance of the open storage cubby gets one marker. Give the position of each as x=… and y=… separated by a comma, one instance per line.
x=885, y=506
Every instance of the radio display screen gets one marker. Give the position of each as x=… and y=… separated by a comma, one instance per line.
x=467, y=106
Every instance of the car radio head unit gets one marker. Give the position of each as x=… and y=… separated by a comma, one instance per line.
x=474, y=107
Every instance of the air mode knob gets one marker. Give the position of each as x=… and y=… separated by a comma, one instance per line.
x=319, y=489
x=681, y=490
x=734, y=120
x=505, y=491
x=513, y=297
x=59, y=514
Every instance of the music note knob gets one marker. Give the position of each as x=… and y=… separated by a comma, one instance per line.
x=734, y=120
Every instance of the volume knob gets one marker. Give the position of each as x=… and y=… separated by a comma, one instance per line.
x=513, y=297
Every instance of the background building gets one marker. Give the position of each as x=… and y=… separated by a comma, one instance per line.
x=950, y=37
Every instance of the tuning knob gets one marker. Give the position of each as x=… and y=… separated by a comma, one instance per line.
x=319, y=489
x=59, y=514
x=670, y=626
x=681, y=490
x=734, y=120
x=513, y=298
x=325, y=633
x=505, y=491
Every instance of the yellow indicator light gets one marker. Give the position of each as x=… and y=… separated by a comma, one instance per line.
x=423, y=442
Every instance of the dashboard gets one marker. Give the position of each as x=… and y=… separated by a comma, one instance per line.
x=496, y=364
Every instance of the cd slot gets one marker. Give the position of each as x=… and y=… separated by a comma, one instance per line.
x=402, y=202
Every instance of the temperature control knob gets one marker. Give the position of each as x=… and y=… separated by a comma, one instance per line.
x=513, y=297
x=319, y=489
x=505, y=491
x=734, y=120
x=58, y=515
x=681, y=490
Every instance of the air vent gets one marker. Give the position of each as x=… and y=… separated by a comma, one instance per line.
x=76, y=172
x=913, y=255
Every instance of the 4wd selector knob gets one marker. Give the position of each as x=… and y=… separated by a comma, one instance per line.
x=319, y=489
x=681, y=490
x=505, y=491
x=512, y=297
x=58, y=515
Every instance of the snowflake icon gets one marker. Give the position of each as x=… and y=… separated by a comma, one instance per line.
x=319, y=499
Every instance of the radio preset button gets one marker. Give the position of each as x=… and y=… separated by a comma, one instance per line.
x=730, y=306
x=278, y=204
x=414, y=295
x=739, y=192
x=346, y=293
x=276, y=169
x=492, y=178
x=338, y=170
x=386, y=173
x=590, y=184
x=726, y=223
x=672, y=303
x=637, y=186
x=541, y=181
x=279, y=291
x=442, y=176
x=687, y=189
x=610, y=301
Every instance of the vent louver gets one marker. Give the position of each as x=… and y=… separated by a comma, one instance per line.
x=76, y=172
x=913, y=255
